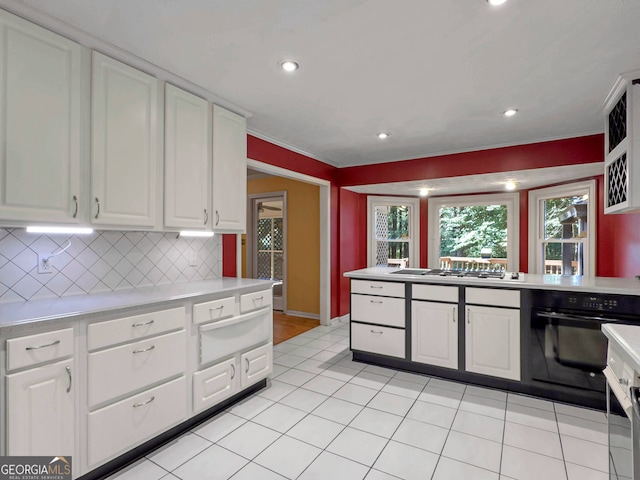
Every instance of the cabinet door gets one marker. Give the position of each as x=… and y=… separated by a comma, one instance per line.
x=40, y=410
x=493, y=341
x=214, y=384
x=229, y=171
x=434, y=333
x=186, y=160
x=124, y=160
x=40, y=127
x=256, y=365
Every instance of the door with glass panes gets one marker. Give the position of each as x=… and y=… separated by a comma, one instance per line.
x=269, y=244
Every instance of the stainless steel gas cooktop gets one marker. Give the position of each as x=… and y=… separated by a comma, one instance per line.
x=455, y=273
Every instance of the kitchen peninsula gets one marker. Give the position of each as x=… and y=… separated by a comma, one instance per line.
x=534, y=334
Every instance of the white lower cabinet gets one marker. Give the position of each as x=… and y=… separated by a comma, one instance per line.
x=114, y=429
x=214, y=384
x=375, y=339
x=256, y=364
x=434, y=333
x=40, y=410
x=493, y=341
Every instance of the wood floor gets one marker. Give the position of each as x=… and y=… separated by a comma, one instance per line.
x=286, y=326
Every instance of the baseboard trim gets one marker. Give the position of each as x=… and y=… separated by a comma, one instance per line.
x=343, y=319
x=295, y=313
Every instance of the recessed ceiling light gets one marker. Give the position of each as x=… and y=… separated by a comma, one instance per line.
x=289, y=66
x=510, y=113
x=383, y=135
x=510, y=185
x=496, y=3
x=424, y=192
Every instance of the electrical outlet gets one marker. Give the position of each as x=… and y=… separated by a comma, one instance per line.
x=192, y=255
x=45, y=263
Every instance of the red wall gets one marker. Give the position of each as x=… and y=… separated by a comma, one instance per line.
x=353, y=241
x=618, y=249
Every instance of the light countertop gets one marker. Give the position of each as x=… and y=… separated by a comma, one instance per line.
x=627, y=337
x=620, y=286
x=37, y=311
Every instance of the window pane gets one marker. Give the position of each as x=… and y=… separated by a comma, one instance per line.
x=398, y=250
x=563, y=258
x=565, y=217
x=473, y=231
x=392, y=222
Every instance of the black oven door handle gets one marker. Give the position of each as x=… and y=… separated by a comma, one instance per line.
x=575, y=318
x=635, y=393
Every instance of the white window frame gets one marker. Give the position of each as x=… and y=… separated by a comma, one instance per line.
x=414, y=226
x=536, y=223
x=511, y=200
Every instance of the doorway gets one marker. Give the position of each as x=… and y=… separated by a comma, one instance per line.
x=267, y=242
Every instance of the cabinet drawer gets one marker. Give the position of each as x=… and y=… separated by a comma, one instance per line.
x=256, y=365
x=117, y=428
x=435, y=293
x=43, y=347
x=253, y=301
x=214, y=384
x=121, y=370
x=387, y=289
x=493, y=296
x=226, y=337
x=105, y=334
x=382, y=340
x=381, y=310
x=214, y=310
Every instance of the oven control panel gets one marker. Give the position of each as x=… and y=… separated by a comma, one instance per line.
x=623, y=306
x=593, y=302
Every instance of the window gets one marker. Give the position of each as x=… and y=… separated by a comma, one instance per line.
x=561, y=229
x=393, y=230
x=478, y=232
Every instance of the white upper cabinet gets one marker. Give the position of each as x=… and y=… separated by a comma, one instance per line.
x=622, y=146
x=40, y=102
x=187, y=160
x=124, y=160
x=229, y=171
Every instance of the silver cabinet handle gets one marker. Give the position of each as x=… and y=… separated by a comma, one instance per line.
x=233, y=375
x=69, y=373
x=374, y=286
x=217, y=217
x=376, y=301
x=143, y=324
x=216, y=308
x=136, y=405
x=75, y=212
x=144, y=349
x=261, y=297
x=98, y=212
x=623, y=381
x=206, y=216
x=248, y=365
x=56, y=342
x=468, y=316
x=454, y=314
x=377, y=333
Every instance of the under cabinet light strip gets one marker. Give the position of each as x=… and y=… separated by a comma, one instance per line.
x=195, y=233
x=64, y=230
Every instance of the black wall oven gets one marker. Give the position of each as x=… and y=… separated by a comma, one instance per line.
x=566, y=345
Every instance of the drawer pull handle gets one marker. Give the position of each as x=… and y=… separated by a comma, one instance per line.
x=206, y=216
x=69, y=373
x=454, y=314
x=144, y=349
x=75, y=212
x=468, y=316
x=56, y=342
x=258, y=298
x=233, y=374
x=375, y=286
x=142, y=324
x=136, y=405
x=248, y=365
x=376, y=301
x=377, y=333
x=216, y=308
x=98, y=212
x=217, y=218
x=623, y=381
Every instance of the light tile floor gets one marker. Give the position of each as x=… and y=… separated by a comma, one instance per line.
x=323, y=416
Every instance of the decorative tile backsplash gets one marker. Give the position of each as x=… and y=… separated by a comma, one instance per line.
x=101, y=262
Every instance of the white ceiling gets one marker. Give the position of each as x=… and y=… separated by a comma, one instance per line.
x=436, y=75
